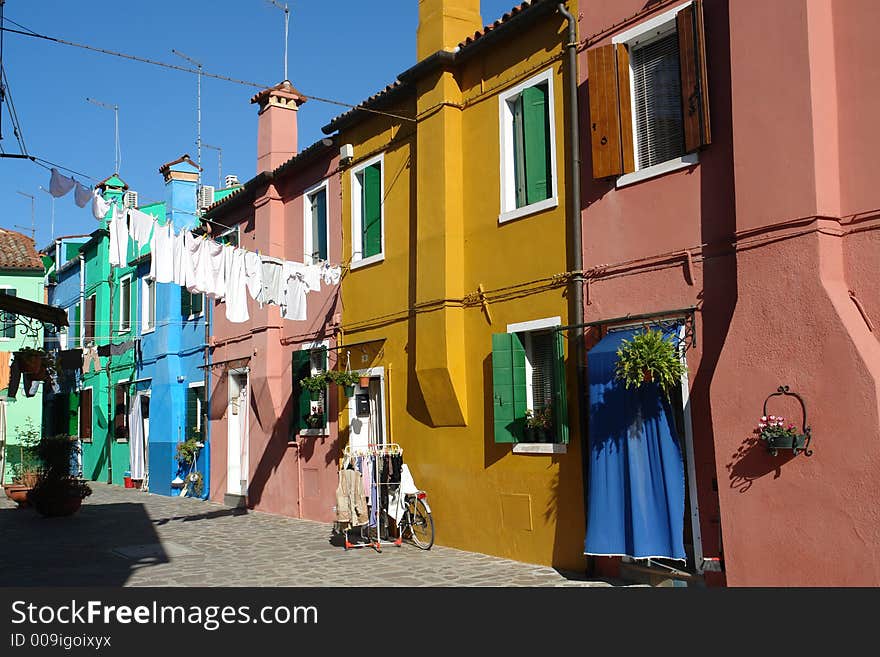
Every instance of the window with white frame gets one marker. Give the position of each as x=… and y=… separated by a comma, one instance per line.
x=148, y=305
x=649, y=111
x=528, y=147
x=310, y=408
x=367, y=212
x=315, y=225
x=195, y=409
x=125, y=304
x=8, y=320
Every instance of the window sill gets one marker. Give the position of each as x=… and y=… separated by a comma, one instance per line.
x=147, y=331
x=526, y=210
x=363, y=262
x=314, y=432
x=682, y=162
x=540, y=448
x=121, y=441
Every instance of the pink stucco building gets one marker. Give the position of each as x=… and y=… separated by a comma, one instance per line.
x=757, y=205
x=264, y=454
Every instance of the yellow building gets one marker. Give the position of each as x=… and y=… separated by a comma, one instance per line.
x=457, y=227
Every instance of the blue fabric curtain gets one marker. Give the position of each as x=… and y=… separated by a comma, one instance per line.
x=636, y=478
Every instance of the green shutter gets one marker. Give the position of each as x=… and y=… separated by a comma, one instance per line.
x=192, y=413
x=196, y=304
x=301, y=369
x=560, y=402
x=508, y=387
x=536, y=126
x=74, y=330
x=319, y=217
x=371, y=211
x=185, y=303
x=519, y=154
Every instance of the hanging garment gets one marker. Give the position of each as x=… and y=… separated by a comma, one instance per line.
x=60, y=185
x=119, y=348
x=100, y=207
x=213, y=269
x=293, y=300
x=195, y=251
x=136, y=439
x=162, y=254
x=331, y=275
x=70, y=359
x=118, y=239
x=271, y=280
x=180, y=259
x=373, y=498
x=90, y=356
x=637, y=487
x=253, y=269
x=350, y=504
x=82, y=195
x=309, y=274
x=367, y=471
x=140, y=227
x=104, y=350
x=236, y=289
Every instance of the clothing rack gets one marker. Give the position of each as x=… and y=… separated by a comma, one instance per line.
x=368, y=451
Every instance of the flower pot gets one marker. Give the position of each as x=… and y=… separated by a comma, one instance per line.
x=647, y=376
x=785, y=442
x=349, y=391
x=56, y=507
x=18, y=493
x=364, y=382
x=315, y=395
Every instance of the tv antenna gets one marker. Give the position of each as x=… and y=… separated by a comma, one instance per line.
x=115, y=108
x=219, y=163
x=286, y=11
x=198, y=65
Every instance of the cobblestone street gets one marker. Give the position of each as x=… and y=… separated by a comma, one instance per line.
x=124, y=537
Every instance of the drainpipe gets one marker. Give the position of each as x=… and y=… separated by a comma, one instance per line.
x=82, y=297
x=206, y=412
x=577, y=259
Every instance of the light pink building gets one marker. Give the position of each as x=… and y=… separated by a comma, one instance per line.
x=263, y=453
x=762, y=214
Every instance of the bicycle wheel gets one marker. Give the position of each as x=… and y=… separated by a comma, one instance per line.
x=421, y=525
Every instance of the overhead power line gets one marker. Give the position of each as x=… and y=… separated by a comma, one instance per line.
x=184, y=69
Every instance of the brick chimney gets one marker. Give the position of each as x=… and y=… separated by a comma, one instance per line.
x=276, y=127
x=443, y=24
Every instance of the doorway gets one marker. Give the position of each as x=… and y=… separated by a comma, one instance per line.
x=366, y=411
x=237, y=419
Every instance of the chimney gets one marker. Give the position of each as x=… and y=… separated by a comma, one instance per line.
x=181, y=179
x=276, y=127
x=443, y=24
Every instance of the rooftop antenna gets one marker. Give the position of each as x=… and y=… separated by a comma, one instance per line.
x=198, y=65
x=219, y=164
x=33, y=223
x=115, y=109
x=286, y=11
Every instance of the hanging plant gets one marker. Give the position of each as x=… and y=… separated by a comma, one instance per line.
x=315, y=384
x=196, y=482
x=187, y=450
x=649, y=357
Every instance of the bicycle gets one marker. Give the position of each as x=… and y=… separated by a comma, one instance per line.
x=417, y=524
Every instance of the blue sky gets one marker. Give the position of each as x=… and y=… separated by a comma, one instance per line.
x=344, y=51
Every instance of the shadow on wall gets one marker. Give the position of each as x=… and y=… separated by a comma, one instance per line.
x=492, y=451
x=63, y=551
x=276, y=428
x=752, y=461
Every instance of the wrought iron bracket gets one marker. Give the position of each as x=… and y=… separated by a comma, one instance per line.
x=806, y=432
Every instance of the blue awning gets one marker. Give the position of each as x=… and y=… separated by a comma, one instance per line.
x=636, y=477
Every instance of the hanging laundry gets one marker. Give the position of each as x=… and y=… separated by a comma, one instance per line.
x=310, y=275
x=180, y=259
x=90, y=356
x=82, y=195
x=213, y=269
x=271, y=280
x=236, y=289
x=60, y=185
x=253, y=270
x=297, y=280
x=196, y=281
x=331, y=275
x=119, y=348
x=162, y=254
x=100, y=207
x=118, y=239
x=140, y=227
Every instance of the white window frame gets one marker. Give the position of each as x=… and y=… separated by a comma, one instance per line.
x=148, y=301
x=357, y=220
x=643, y=33
x=527, y=327
x=4, y=338
x=201, y=409
x=308, y=238
x=508, y=209
x=325, y=430
x=129, y=278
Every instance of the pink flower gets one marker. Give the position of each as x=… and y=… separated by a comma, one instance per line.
x=763, y=418
x=772, y=417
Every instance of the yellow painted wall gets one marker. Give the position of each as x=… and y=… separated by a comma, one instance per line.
x=484, y=497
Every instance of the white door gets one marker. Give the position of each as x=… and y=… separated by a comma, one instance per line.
x=145, y=414
x=366, y=415
x=236, y=433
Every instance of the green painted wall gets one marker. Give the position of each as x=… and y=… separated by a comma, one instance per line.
x=27, y=286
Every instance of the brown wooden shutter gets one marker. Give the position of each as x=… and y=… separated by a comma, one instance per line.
x=625, y=105
x=4, y=369
x=604, y=112
x=120, y=416
x=219, y=397
x=85, y=414
x=694, y=90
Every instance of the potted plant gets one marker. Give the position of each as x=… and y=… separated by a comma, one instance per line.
x=773, y=430
x=649, y=357
x=57, y=492
x=347, y=379
x=364, y=381
x=188, y=450
x=539, y=424
x=315, y=419
x=315, y=384
x=27, y=470
x=35, y=361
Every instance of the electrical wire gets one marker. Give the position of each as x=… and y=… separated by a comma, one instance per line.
x=16, y=125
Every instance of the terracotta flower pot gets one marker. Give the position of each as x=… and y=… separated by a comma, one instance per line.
x=365, y=382
x=18, y=493
x=56, y=507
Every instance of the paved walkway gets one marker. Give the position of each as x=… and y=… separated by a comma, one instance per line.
x=123, y=537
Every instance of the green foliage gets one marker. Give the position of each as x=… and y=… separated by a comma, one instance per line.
x=47, y=359
x=344, y=377
x=316, y=382
x=55, y=482
x=196, y=481
x=188, y=450
x=540, y=418
x=27, y=468
x=649, y=353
